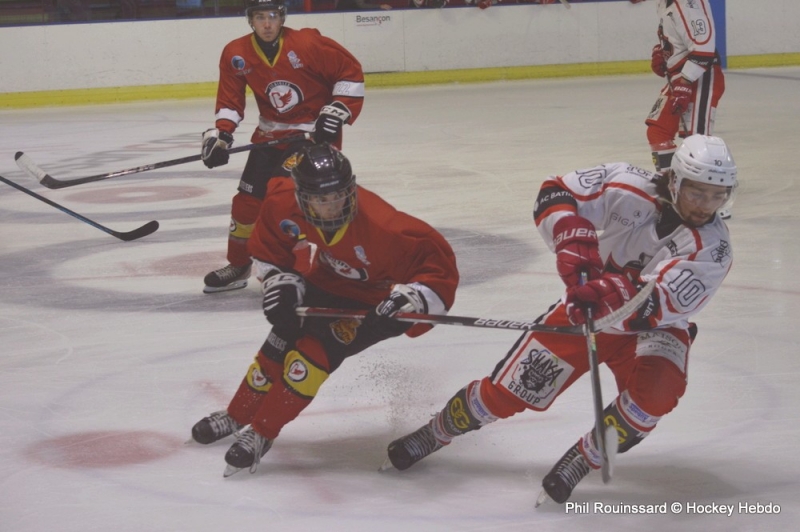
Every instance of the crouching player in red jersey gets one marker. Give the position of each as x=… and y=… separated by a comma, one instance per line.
x=321, y=240
x=662, y=227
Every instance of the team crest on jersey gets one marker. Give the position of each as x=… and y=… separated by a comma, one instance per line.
x=294, y=60
x=342, y=269
x=291, y=162
x=345, y=330
x=283, y=95
x=538, y=377
x=289, y=228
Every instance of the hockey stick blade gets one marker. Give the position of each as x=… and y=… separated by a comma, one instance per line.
x=488, y=323
x=27, y=164
x=565, y=4
x=146, y=229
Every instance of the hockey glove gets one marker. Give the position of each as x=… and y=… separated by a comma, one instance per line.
x=577, y=249
x=283, y=293
x=403, y=298
x=214, y=151
x=330, y=121
x=604, y=295
x=681, y=95
x=658, y=64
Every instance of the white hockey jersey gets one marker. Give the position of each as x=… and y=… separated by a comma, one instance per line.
x=687, y=34
x=643, y=238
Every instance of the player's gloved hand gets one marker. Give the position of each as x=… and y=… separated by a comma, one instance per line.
x=604, y=296
x=658, y=64
x=577, y=249
x=283, y=293
x=214, y=151
x=330, y=121
x=681, y=96
x=403, y=298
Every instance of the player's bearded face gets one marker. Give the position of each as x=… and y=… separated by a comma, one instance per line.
x=697, y=202
x=328, y=206
x=267, y=24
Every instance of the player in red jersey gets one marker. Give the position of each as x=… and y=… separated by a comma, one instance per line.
x=321, y=240
x=302, y=82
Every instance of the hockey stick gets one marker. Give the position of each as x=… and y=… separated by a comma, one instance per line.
x=606, y=437
x=32, y=169
x=565, y=4
x=146, y=229
x=487, y=323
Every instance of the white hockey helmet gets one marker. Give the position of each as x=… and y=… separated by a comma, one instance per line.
x=704, y=159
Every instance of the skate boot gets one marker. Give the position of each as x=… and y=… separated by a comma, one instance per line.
x=250, y=446
x=228, y=278
x=410, y=449
x=565, y=475
x=214, y=427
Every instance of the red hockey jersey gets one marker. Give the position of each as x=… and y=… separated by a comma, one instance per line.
x=380, y=247
x=309, y=72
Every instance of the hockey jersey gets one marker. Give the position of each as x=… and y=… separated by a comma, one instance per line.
x=687, y=35
x=380, y=247
x=308, y=72
x=642, y=237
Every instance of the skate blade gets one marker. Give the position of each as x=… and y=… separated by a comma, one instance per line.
x=387, y=465
x=236, y=285
x=230, y=470
x=541, y=499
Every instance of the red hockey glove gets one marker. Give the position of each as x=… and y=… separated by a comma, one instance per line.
x=604, y=295
x=657, y=62
x=681, y=96
x=577, y=250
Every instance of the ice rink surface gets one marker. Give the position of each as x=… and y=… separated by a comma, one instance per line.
x=111, y=352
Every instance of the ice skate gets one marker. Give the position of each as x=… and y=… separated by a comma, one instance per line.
x=214, y=427
x=410, y=449
x=565, y=475
x=250, y=446
x=228, y=278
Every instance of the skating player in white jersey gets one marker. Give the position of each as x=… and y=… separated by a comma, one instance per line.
x=652, y=226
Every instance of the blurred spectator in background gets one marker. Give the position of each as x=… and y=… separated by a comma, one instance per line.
x=354, y=5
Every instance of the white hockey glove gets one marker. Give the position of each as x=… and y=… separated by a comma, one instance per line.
x=403, y=298
x=330, y=121
x=214, y=151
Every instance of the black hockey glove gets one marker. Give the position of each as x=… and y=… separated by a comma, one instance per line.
x=214, y=151
x=403, y=298
x=283, y=293
x=330, y=121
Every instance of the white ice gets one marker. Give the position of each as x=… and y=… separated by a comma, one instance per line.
x=110, y=351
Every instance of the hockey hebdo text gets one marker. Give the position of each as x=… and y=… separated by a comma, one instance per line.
x=685, y=508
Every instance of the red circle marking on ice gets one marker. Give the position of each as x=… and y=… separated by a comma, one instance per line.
x=140, y=194
x=189, y=264
x=101, y=449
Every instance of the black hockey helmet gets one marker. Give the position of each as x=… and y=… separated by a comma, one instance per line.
x=265, y=5
x=325, y=186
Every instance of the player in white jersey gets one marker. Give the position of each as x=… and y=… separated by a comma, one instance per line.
x=686, y=55
x=661, y=227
